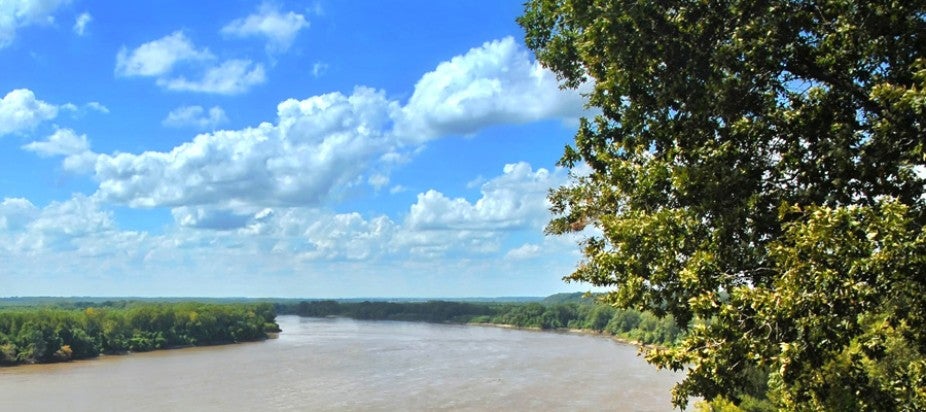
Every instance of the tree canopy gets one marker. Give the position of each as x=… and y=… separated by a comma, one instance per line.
x=54, y=334
x=757, y=165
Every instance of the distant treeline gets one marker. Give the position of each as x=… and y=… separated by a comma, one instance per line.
x=569, y=312
x=54, y=334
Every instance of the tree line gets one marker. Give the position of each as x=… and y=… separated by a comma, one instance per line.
x=642, y=327
x=55, y=334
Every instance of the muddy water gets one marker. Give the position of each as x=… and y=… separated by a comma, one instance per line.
x=342, y=364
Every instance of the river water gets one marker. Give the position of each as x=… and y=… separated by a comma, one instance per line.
x=343, y=364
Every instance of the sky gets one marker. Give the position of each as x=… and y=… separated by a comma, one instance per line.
x=322, y=149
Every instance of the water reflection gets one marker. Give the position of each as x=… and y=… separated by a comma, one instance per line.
x=342, y=364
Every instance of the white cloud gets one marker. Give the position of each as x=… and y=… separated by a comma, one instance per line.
x=313, y=234
x=317, y=235
x=279, y=29
x=211, y=218
x=318, y=147
x=196, y=117
x=163, y=59
x=349, y=236
x=65, y=142
x=430, y=244
x=15, y=214
x=515, y=200
x=230, y=77
x=378, y=180
x=82, y=110
x=21, y=111
x=318, y=69
x=158, y=57
x=304, y=233
x=80, y=24
x=496, y=83
x=304, y=245
x=16, y=14
x=527, y=251
x=77, y=217
x=77, y=225
x=98, y=107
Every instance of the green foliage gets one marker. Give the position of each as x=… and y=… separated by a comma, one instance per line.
x=644, y=328
x=39, y=335
x=575, y=297
x=431, y=311
x=758, y=166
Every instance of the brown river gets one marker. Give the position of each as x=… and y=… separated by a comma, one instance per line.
x=343, y=364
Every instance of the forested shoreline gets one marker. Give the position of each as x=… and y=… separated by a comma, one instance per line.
x=558, y=312
x=55, y=334
x=63, y=330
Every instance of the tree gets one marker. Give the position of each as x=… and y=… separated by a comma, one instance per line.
x=757, y=165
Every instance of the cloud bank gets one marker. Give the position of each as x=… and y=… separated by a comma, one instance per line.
x=266, y=191
x=320, y=146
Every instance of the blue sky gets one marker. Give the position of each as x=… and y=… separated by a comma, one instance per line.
x=290, y=149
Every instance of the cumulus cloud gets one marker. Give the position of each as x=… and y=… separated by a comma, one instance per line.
x=195, y=117
x=349, y=236
x=158, y=57
x=80, y=24
x=16, y=14
x=496, y=83
x=16, y=213
x=318, y=146
x=230, y=77
x=163, y=58
x=77, y=217
x=75, y=225
x=312, y=233
x=97, y=106
x=21, y=111
x=512, y=203
x=306, y=233
x=65, y=142
x=279, y=29
x=514, y=200
x=70, y=236
x=211, y=218
x=523, y=252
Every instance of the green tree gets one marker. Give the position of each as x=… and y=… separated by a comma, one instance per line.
x=757, y=165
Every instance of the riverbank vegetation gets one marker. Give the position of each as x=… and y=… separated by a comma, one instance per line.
x=54, y=334
x=558, y=312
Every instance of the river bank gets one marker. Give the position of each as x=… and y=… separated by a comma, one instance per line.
x=48, y=335
x=345, y=364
